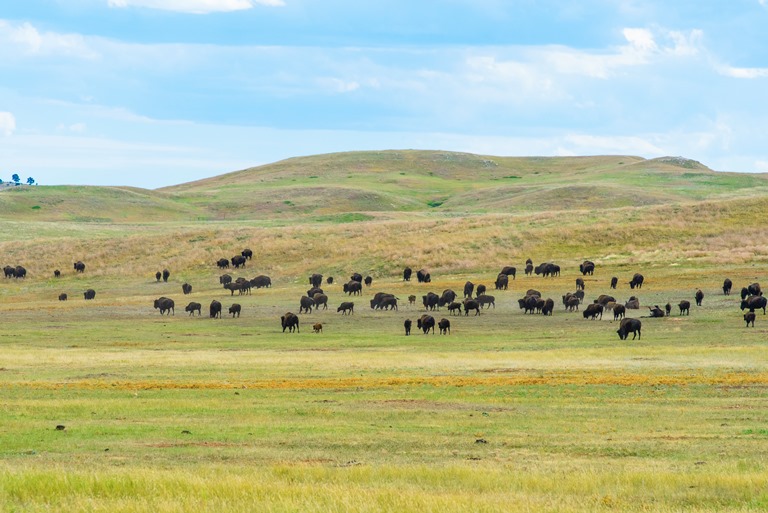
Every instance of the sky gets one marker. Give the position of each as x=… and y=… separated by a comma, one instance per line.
x=151, y=93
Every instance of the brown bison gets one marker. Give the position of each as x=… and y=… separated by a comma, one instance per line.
x=407, y=325
x=407, y=274
x=445, y=326
x=224, y=279
x=614, y=282
x=593, y=311
x=549, y=307
x=502, y=282
x=637, y=281
x=579, y=284
x=368, y=280
x=587, y=268
x=261, y=281
x=56, y=273
x=480, y=290
x=235, y=310
x=306, y=304
x=79, y=267
x=754, y=303
x=423, y=276
x=320, y=300
x=158, y=275
x=62, y=297
x=727, y=286
x=509, y=271
x=316, y=280
x=431, y=301
x=699, y=296
x=628, y=326
x=186, y=288
x=353, y=287
x=237, y=261
x=528, y=269
x=454, y=307
x=356, y=277
x=223, y=263
x=685, y=307
x=471, y=304
x=247, y=253
x=317, y=327
x=656, y=312
x=469, y=288
x=485, y=300
x=633, y=303
x=89, y=294
x=750, y=318
x=619, y=311
x=668, y=309
x=166, y=274
x=215, y=309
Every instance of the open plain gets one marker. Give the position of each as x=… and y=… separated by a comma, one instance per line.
x=109, y=406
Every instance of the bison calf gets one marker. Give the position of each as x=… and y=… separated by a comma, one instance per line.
x=407, y=326
x=234, y=310
x=62, y=297
x=750, y=317
x=445, y=326
x=317, y=327
x=346, y=308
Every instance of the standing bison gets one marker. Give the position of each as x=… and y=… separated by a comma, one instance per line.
x=614, y=282
x=727, y=286
x=62, y=297
x=316, y=280
x=166, y=274
x=469, y=288
x=247, y=253
x=502, y=282
x=235, y=310
x=215, y=309
x=306, y=304
x=423, y=276
x=89, y=294
x=353, y=287
x=223, y=263
x=79, y=267
x=445, y=326
x=509, y=271
x=346, y=308
x=261, y=281
x=699, y=297
x=238, y=261
x=290, y=321
x=407, y=274
x=685, y=307
x=750, y=318
x=426, y=323
x=587, y=268
x=407, y=325
x=628, y=326
x=186, y=288
x=754, y=303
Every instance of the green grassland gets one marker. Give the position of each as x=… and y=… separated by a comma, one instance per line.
x=510, y=412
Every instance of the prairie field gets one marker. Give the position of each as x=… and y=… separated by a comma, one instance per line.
x=109, y=406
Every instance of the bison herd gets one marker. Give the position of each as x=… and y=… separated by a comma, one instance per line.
x=475, y=299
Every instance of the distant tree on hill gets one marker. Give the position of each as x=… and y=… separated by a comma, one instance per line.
x=16, y=178
x=31, y=181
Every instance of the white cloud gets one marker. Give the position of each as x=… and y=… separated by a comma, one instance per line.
x=7, y=123
x=196, y=6
x=762, y=165
x=29, y=40
x=730, y=71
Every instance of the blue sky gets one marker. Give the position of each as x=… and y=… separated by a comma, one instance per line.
x=158, y=92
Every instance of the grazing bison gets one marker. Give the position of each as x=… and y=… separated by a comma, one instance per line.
x=316, y=280
x=346, y=308
x=291, y=321
x=317, y=327
x=353, y=287
x=79, y=267
x=431, y=301
x=749, y=317
x=241, y=286
x=89, y=294
x=685, y=307
x=579, y=284
x=614, y=282
x=754, y=289
x=158, y=275
x=628, y=326
x=247, y=253
x=445, y=326
x=727, y=286
x=388, y=302
x=407, y=274
x=193, y=307
x=547, y=269
x=407, y=325
x=469, y=288
x=480, y=290
x=368, y=280
x=528, y=304
x=633, y=303
x=223, y=263
x=261, y=281
x=56, y=273
x=238, y=261
x=186, y=288
x=62, y=297
x=215, y=309
x=485, y=299
x=165, y=304
x=528, y=269
x=656, y=311
x=572, y=303
x=454, y=307
x=320, y=299
x=423, y=276
x=619, y=311
x=587, y=268
x=754, y=303
x=549, y=307
x=699, y=297
x=356, y=277
x=471, y=304
x=502, y=282
x=509, y=271
x=593, y=311
x=224, y=279
x=426, y=323
x=235, y=310
x=378, y=298
x=306, y=304
x=637, y=281
x=166, y=274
